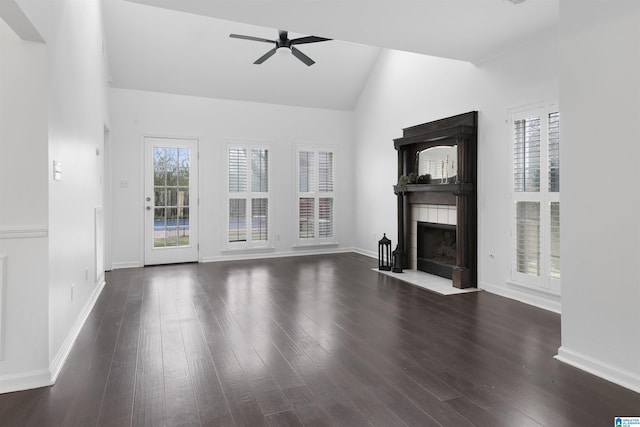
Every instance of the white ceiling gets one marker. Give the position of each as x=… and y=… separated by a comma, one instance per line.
x=183, y=46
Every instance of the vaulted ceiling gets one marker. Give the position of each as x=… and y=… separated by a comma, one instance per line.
x=183, y=46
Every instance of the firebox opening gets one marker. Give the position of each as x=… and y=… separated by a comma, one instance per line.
x=436, y=248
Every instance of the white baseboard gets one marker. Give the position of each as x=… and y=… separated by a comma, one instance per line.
x=125, y=264
x=366, y=253
x=611, y=373
x=546, y=302
x=25, y=381
x=257, y=254
x=312, y=250
x=60, y=358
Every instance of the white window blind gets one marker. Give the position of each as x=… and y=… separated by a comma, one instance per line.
x=307, y=169
x=528, y=237
x=237, y=170
x=325, y=169
x=536, y=197
x=237, y=220
x=526, y=156
x=555, y=240
x=248, y=196
x=325, y=217
x=260, y=219
x=259, y=171
x=307, y=229
x=554, y=152
x=316, y=196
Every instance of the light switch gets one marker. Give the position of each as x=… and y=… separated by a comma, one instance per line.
x=57, y=170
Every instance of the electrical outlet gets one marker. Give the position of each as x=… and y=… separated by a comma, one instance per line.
x=86, y=274
x=72, y=290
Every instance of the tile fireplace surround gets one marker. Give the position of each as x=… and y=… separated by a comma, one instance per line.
x=437, y=214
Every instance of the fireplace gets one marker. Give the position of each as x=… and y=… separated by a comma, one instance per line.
x=437, y=171
x=436, y=248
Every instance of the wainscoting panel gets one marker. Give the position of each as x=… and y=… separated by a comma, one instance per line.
x=23, y=232
x=3, y=293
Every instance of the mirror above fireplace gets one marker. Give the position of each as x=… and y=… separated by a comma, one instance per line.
x=440, y=163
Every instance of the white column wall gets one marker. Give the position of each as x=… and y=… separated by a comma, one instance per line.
x=216, y=123
x=76, y=134
x=23, y=213
x=77, y=113
x=600, y=104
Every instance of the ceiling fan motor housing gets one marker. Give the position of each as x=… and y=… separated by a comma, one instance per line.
x=283, y=43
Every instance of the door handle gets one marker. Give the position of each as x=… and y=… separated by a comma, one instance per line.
x=148, y=208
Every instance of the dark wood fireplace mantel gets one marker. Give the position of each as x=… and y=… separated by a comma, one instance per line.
x=459, y=131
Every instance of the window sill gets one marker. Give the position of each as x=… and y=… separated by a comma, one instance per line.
x=314, y=244
x=263, y=249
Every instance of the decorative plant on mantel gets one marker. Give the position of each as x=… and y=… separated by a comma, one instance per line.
x=402, y=183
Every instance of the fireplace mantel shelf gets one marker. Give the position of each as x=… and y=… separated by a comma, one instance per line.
x=458, y=189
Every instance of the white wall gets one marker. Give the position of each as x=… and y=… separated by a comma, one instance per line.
x=23, y=212
x=407, y=89
x=76, y=129
x=76, y=104
x=600, y=98
x=135, y=114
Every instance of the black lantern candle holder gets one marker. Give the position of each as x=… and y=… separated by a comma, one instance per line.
x=384, y=253
x=397, y=260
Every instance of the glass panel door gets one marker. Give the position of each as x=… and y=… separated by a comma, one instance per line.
x=170, y=190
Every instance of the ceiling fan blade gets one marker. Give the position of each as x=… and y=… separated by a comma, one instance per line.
x=302, y=57
x=266, y=56
x=309, y=39
x=255, y=39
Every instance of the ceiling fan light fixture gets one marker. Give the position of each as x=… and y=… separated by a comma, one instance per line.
x=284, y=45
x=517, y=1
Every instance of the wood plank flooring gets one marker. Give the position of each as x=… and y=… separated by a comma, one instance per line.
x=313, y=341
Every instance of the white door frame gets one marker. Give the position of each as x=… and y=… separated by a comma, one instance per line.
x=167, y=255
x=107, y=199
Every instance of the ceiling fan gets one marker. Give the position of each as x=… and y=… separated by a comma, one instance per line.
x=283, y=42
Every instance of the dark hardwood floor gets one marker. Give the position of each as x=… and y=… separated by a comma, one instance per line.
x=314, y=341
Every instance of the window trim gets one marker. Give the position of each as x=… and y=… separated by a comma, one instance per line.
x=317, y=195
x=248, y=195
x=544, y=282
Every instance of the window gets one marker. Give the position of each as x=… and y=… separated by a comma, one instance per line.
x=316, y=196
x=536, y=198
x=248, y=197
